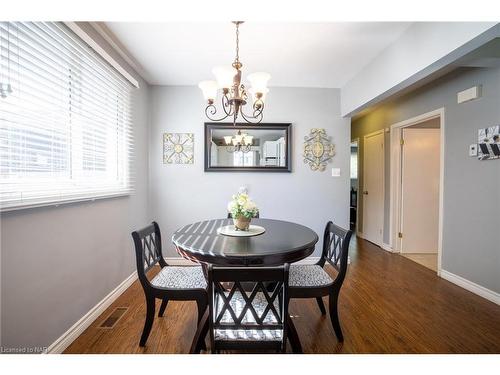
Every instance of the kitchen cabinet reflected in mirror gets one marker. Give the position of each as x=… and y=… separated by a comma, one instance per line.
x=249, y=148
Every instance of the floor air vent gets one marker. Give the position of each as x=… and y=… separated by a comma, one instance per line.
x=113, y=318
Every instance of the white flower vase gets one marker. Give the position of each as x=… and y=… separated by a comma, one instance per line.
x=242, y=223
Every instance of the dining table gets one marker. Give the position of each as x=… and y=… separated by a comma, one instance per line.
x=281, y=242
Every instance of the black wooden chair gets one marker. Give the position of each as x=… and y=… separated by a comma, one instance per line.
x=171, y=283
x=312, y=281
x=240, y=319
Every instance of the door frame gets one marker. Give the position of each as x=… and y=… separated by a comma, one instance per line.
x=395, y=178
x=381, y=131
x=357, y=195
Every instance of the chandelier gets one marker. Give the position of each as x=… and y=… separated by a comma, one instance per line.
x=240, y=142
x=234, y=94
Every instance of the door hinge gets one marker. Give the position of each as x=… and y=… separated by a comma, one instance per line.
x=400, y=235
x=402, y=141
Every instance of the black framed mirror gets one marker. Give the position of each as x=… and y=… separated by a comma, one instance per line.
x=265, y=147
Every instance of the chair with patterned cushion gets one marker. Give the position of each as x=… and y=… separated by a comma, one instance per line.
x=312, y=281
x=242, y=319
x=171, y=283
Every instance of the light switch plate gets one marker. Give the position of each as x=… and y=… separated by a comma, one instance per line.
x=473, y=150
x=335, y=172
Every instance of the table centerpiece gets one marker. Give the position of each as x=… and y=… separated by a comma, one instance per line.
x=242, y=210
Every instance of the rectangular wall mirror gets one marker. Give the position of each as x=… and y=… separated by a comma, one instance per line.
x=247, y=148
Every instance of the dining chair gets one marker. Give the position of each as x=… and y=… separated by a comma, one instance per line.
x=242, y=319
x=172, y=283
x=312, y=281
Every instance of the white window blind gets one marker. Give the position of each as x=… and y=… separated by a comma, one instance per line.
x=65, y=119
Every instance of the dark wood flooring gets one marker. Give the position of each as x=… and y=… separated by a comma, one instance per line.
x=388, y=304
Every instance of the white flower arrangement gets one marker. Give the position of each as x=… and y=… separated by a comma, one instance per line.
x=242, y=206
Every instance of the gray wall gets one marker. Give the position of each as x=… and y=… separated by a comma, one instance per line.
x=181, y=194
x=471, y=248
x=59, y=262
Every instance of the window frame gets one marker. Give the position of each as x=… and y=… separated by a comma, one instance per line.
x=124, y=148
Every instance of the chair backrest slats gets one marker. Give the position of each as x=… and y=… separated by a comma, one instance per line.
x=336, y=248
x=246, y=300
x=148, y=250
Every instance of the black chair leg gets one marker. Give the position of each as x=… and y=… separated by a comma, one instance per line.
x=202, y=307
x=293, y=337
x=150, y=316
x=201, y=332
x=334, y=316
x=321, y=305
x=163, y=306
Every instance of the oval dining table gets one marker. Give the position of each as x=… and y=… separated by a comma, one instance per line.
x=282, y=242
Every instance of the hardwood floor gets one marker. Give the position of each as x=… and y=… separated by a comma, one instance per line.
x=426, y=260
x=388, y=304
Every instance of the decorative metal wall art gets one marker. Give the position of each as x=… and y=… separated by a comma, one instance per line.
x=489, y=143
x=318, y=149
x=178, y=148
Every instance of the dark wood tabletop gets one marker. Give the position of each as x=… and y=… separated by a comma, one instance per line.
x=282, y=242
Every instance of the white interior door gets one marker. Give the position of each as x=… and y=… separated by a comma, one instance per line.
x=420, y=165
x=373, y=188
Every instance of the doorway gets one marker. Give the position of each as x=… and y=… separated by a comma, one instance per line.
x=353, y=201
x=373, y=187
x=416, y=181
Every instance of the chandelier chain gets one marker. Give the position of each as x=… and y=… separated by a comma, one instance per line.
x=235, y=94
x=237, y=59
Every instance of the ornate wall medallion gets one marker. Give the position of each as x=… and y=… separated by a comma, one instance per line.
x=178, y=148
x=318, y=149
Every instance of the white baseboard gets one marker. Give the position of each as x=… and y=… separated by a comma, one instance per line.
x=387, y=247
x=471, y=287
x=76, y=330
x=360, y=235
x=308, y=260
x=178, y=261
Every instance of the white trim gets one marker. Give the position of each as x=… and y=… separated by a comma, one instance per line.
x=178, y=261
x=64, y=201
x=85, y=321
x=387, y=247
x=102, y=29
x=395, y=176
x=481, y=291
x=357, y=141
x=382, y=132
x=101, y=51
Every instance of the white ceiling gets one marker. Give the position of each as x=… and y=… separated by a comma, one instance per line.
x=295, y=54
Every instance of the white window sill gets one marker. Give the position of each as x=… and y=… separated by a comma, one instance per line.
x=61, y=202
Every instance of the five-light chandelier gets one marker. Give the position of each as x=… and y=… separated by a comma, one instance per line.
x=241, y=142
x=234, y=93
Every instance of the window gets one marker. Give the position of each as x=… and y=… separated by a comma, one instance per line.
x=65, y=126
